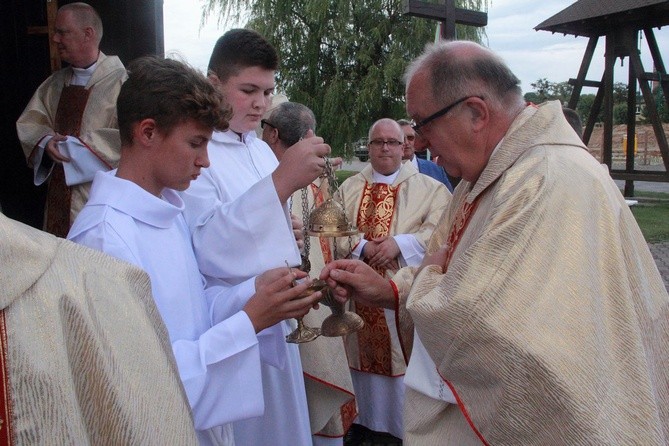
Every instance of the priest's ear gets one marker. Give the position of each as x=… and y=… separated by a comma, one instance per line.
x=479, y=113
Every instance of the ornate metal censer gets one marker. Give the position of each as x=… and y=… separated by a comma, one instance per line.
x=327, y=221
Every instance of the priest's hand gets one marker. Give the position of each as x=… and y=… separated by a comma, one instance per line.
x=384, y=253
x=277, y=299
x=353, y=279
x=437, y=258
x=301, y=164
x=51, y=149
x=298, y=231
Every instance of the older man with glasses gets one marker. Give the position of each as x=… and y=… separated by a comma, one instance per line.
x=396, y=209
x=542, y=314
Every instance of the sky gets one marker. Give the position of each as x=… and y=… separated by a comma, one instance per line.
x=531, y=54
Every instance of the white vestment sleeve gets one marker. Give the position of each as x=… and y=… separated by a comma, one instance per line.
x=422, y=375
x=226, y=301
x=220, y=370
x=357, y=251
x=220, y=230
x=41, y=171
x=84, y=162
x=221, y=373
x=410, y=249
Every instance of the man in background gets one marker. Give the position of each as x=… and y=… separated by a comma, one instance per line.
x=68, y=130
x=326, y=377
x=424, y=166
x=396, y=209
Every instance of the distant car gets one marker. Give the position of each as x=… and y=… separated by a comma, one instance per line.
x=361, y=150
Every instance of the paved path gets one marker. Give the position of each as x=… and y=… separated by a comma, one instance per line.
x=660, y=253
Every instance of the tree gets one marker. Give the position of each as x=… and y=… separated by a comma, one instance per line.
x=544, y=90
x=620, y=113
x=343, y=59
x=662, y=109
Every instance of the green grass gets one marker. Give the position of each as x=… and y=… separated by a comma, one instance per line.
x=343, y=174
x=652, y=215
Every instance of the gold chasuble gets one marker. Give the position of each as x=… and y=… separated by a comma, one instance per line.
x=85, y=357
x=550, y=321
x=88, y=113
x=69, y=114
x=377, y=206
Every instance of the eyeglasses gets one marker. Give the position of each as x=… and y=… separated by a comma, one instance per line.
x=264, y=122
x=416, y=127
x=379, y=143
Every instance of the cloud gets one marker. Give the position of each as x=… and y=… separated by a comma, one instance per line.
x=510, y=32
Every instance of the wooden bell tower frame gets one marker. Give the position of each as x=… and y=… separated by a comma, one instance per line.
x=619, y=22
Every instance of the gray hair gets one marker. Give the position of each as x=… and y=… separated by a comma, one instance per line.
x=292, y=120
x=459, y=68
x=85, y=15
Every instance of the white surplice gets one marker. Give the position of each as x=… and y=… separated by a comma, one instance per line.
x=240, y=229
x=218, y=360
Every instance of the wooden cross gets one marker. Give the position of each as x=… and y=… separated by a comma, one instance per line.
x=448, y=14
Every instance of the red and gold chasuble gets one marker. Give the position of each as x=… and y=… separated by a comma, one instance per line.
x=375, y=216
x=69, y=115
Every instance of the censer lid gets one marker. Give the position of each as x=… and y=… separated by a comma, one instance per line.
x=329, y=220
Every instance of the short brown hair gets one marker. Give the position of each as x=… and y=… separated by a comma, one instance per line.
x=170, y=92
x=241, y=48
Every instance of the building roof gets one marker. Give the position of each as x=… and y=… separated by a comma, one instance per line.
x=598, y=17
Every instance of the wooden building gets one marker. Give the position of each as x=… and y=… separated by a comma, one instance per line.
x=619, y=22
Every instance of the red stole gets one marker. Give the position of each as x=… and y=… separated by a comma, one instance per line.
x=375, y=216
x=6, y=438
x=69, y=115
x=462, y=219
x=460, y=223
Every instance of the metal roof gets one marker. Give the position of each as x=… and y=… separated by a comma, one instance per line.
x=599, y=17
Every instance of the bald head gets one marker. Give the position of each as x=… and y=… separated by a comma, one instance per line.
x=463, y=98
x=386, y=143
x=77, y=34
x=85, y=15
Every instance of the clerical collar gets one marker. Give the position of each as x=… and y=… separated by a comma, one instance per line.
x=81, y=76
x=384, y=179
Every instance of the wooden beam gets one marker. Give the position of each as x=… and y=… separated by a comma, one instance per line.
x=51, y=12
x=639, y=175
x=651, y=108
x=437, y=11
x=631, y=128
x=607, y=83
x=592, y=117
x=580, y=80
